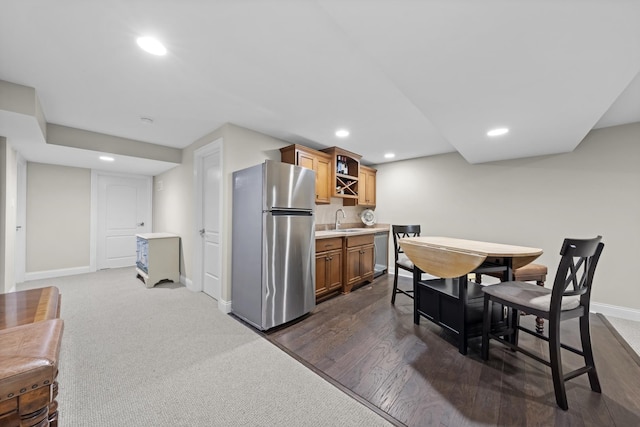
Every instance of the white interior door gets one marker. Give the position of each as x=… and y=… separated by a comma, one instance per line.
x=124, y=209
x=208, y=162
x=21, y=220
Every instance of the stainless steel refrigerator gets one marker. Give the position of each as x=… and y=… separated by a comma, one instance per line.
x=273, y=237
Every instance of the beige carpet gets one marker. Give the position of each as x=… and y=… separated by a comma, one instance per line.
x=629, y=330
x=166, y=356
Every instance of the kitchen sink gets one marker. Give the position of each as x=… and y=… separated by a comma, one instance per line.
x=339, y=231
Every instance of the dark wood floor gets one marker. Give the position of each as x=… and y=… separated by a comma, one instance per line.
x=415, y=376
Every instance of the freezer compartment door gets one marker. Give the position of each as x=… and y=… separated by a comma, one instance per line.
x=289, y=267
x=288, y=186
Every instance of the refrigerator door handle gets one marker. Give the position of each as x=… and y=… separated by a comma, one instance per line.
x=291, y=212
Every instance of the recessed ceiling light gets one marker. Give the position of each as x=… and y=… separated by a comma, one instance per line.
x=342, y=133
x=497, y=131
x=146, y=120
x=389, y=156
x=107, y=159
x=151, y=45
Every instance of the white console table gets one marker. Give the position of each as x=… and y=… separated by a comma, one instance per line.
x=158, y=258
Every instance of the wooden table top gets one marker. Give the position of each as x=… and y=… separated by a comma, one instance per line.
x=33, y=305
x=450, y=257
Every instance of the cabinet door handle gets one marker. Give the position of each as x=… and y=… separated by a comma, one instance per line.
x=201, y=231
x=141, y=224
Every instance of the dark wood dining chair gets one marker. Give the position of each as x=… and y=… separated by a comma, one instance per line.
x=569, y=298
x=527, y=273
x=401, y=260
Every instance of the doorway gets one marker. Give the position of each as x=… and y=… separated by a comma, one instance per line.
x=123, y=210
x=208, y=220
x=20, y=253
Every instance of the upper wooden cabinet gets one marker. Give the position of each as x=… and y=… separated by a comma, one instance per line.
x=318, y=161
x=338, y=174
x=367, y=186
x=344, y=173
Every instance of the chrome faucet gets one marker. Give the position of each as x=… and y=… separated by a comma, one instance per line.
x=338, y=222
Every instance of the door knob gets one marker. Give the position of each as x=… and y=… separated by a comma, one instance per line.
x=201, y=231
x=141, y=224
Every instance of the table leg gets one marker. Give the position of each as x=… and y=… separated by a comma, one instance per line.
x=417, y=275
x=508, y=262
x=462, y=333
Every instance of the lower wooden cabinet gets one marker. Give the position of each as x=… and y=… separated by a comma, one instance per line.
x=342, y=263
x=328, y=267
x=360, y=261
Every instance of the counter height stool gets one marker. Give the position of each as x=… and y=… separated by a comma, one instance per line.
x=528, y=273
x=401, y=260
x=569, y=298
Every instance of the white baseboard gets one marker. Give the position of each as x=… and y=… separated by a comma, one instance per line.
x=616, y=311
x=49, y=274
x=186, y=281
x=224, y=306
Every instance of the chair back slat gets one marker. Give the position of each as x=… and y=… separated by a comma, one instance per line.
x=576, y=270
x=402, y=231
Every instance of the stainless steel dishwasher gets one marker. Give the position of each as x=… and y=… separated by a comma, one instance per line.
x=381, y=249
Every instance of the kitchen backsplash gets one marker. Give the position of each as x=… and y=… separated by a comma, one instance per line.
x=326, y=214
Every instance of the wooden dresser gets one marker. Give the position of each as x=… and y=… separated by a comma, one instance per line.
x=30, y=337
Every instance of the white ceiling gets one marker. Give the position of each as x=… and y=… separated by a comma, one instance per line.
x=413, y=77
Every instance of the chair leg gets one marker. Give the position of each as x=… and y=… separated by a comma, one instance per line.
x=395, y=286
x=513, y=316
x=556, y=363
x=486, y=327
x=585, y=337
x=540, y=320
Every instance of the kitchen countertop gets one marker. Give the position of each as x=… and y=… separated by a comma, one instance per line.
x=324, y=234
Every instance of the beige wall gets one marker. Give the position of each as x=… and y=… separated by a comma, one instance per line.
x=536, y=202
x=3, y=211
x=23, y=101
x=86, y=140
x=58, y=217
x=326, y=214
x=173, y=205
x=533, y=202
x=242, y=148
x=8, y=197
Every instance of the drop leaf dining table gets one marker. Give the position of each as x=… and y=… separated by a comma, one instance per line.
x=450, y=299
